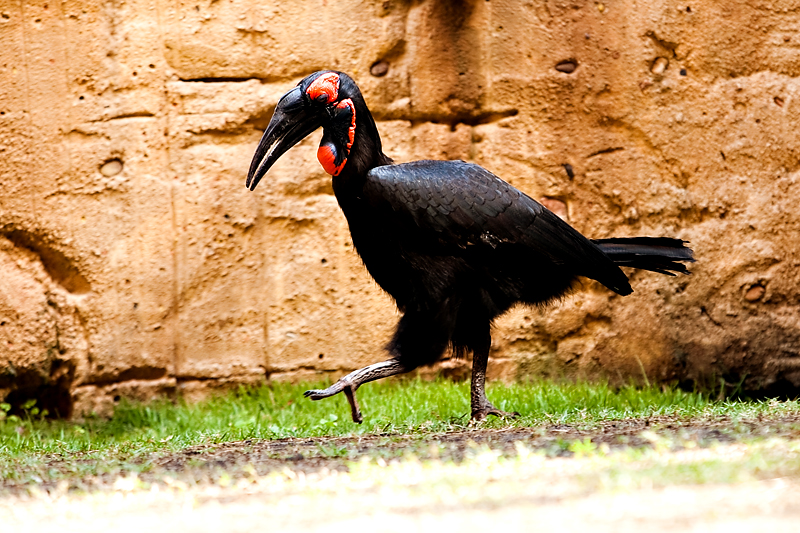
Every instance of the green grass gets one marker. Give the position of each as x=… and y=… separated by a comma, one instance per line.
x=94, y=452
x=402, y=407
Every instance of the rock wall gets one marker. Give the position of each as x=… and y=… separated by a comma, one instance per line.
x=135, y=263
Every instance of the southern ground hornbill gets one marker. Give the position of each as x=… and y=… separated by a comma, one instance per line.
x=453, y=244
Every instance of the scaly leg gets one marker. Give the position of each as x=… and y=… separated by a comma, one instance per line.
x=355, y=379
x=481, y=407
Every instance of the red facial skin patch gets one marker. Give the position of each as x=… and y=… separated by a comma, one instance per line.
x=326, y=154
x=327, y=85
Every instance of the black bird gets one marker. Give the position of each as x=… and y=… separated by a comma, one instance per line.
x=452, y=243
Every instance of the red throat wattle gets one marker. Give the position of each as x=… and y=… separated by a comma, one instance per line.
x=326, y=154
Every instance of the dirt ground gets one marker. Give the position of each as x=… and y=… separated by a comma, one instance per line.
x=563, y=477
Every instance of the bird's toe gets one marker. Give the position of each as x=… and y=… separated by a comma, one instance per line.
x=481, y=414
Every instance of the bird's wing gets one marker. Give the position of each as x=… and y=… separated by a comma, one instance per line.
x=461, y=205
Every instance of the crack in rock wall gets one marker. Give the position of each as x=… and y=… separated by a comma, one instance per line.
x=135, y=263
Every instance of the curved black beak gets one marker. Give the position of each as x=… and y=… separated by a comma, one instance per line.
x=290, y=124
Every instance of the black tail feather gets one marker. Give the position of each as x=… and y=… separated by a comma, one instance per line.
x=657, y=254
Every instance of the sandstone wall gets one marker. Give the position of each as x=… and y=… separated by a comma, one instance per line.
x=134, y=262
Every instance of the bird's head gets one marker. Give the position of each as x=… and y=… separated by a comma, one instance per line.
x=326, y=99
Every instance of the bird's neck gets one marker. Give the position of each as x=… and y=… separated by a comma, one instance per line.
x=366, y=153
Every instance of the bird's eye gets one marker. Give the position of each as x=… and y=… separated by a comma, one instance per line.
x=324, y=89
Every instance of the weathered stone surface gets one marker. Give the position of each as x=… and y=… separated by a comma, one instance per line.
x=135, y=263
x=41, y=335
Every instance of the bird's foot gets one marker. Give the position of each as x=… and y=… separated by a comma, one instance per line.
x=479, y=415
x=354, y=380
x=343, y=385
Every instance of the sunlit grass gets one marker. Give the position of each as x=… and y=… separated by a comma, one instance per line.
x=397, y=407
x=35, y=450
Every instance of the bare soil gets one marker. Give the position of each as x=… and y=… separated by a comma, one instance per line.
x=312, y=454
x=207, y=464
x=319, y=484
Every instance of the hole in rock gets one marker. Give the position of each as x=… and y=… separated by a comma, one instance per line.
x=35, y=393
x=379, y=69
x=112, y=167
x=567, y=67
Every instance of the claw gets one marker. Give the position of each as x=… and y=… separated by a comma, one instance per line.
x=481, y=414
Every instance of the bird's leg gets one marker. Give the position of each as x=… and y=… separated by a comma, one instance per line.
x=481, y=407
x=355, y=379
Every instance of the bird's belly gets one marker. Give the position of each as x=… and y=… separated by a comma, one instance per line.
x=423, y=274
x=392, y=269
x=418, y=279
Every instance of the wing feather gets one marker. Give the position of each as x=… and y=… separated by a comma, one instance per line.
x=461, y=205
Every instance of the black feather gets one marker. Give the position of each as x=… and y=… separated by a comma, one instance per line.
x=657, y=254
x=456, y=246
